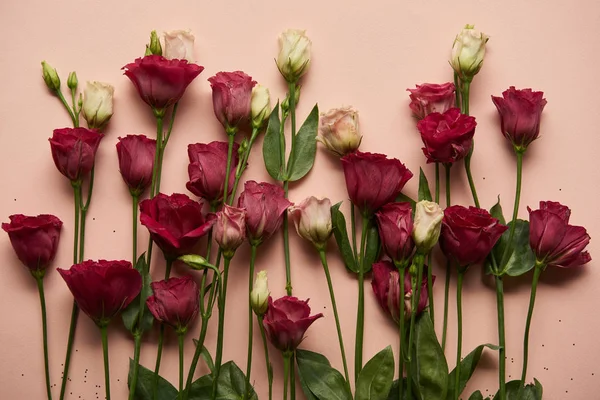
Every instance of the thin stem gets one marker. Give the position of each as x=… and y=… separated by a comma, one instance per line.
x=286, y=246
x=292, y=378
x=161, y=336
x=335, y=314
x=155, y=169
x=266, y=349
x=197, y=353
x=360, y=312
x=243, y=164
x=135, y=203
x=221, y=329
x=292, y=94
x=250, y=320
x=437, y=182
x=68, y=108
x=430, y=255
x=286, y=374
x=180, y=340
x=456, y=91
x=169, y=262
x=171, y=122
x=77, y=201
x=515, y=215
x=137, y=338
x=459, y=283
x=401, y=349
x=415, y=286
x=230, y=138
x=501, y=338
x=103, y=331
x=40, y=285
x=447, y=167
x=353, y=227
x=464, y=94
x=536, y=276
x=464, y=91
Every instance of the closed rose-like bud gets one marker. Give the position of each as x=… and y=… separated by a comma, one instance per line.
x=294, y=54
x=286, y=321
x=468, y=52
x=312, y=218
x=136, y=161
x=469, y=234
x=174, y=302
x=50, y=77
x=259, y=297
x=207, y=169
x=520, y=114
x=285, y=104
x=427, y=226
x=553, y=240
x=34, y=239
x=154, y=48
x=431, y=97
x=102, y=288
x=373, y=179
x=72, y=81
x=74, y=151
x=395, y=224
x=447, y=137
x=339, y=130
x=264, y=204
x=230, y=229
x=97, y=104
x=179, y=44
x=260, y=106
x=231, y=94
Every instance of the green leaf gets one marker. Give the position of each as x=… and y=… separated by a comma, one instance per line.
x=206, y=356
x=272, y=147
x=496, y=212
x=520, y=258
x=424, y=192
x=201, y=389
x=131, y=314
x=305, y=147
x=514, y=391
x=467, y=368
x=404, y=198
x=431, y=372
x=476, y=396
x=375, y=379
x=393, y=395
x=373, y=247
x=145, y=381
x=319, y=380
x=341, y=237
x=232, y=383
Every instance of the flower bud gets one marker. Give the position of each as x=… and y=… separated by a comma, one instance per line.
x=179, y=45
x=339, y=130
x=294, y=54
x=312, y=218
x=285, y=104
x=260, y=105
x=243, y=148
x=230, y=229
x=72, y=81
x=259, y=297
x=195, y=261
x=50, y=77
x=154, y=47
x=97, y=104
x=427, y=225
x=468, y=52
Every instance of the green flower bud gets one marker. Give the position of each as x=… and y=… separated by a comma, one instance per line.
x=260, y=106
x=154, y=46
x=50, y=77
x=259, y=297
x=72, y=81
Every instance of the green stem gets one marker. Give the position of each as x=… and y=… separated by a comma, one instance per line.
x=401, y=349
x=465, y=89
x=459, y=283
x=222, y=297
x=68, y=108
x=286, y=374
x=335, y=314
x=447, y=166
x=40, y=284
x=161, y=336
x=437, y=182
x=250, y=320
x=77, y=201
x=414, y=300
x=135, y=203
x=456, y=91
x=196, y=358
x=353, y=227
x=155, y=168
x=171, y=122
x=137, y=338
x=464, y=94
x=360, y=312
x=430, y=255
x=536, y=276
x=230, y=137
x=266, y=349
x=286, y=246
x=501, y=338
x=180, y=336
x=292, y=378
x=515, y=215
x=292, y=94
x=103, y=331
x=169, y=262
x=243, y=164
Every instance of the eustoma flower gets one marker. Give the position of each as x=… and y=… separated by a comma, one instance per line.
x=207, y=170
x=312, y=218
x=265, y=204
x=427, y=225
x=175, y=222
x=34, y=239
x=373, y=180
x=431, y=97
x=231, y=94
x=447, y=137
x=97, y=104
x=174, y=302
x=395, y=224
x=159, y=81
x=294, y=54
x=136, y=161
x=339, y=131
x=259, y=296
x=229, y=230
x=286, y=322
x=520, y=114
x=553, y=240
x=179, y=44
x=74, y=151
x=386, y=287
x=468, y=52
x=260, y=106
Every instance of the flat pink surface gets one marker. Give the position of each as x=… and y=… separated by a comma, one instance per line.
x=365, y=55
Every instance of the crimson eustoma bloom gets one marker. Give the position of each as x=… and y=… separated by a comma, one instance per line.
x=175, y=302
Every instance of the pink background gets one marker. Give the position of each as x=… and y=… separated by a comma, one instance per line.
x=363, y=55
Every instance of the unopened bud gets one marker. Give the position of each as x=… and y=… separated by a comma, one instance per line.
x=259, y=297
x=50, y=77
x=154, y=46
x=72, y=81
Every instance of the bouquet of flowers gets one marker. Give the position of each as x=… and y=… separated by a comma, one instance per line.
x=391, y=237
